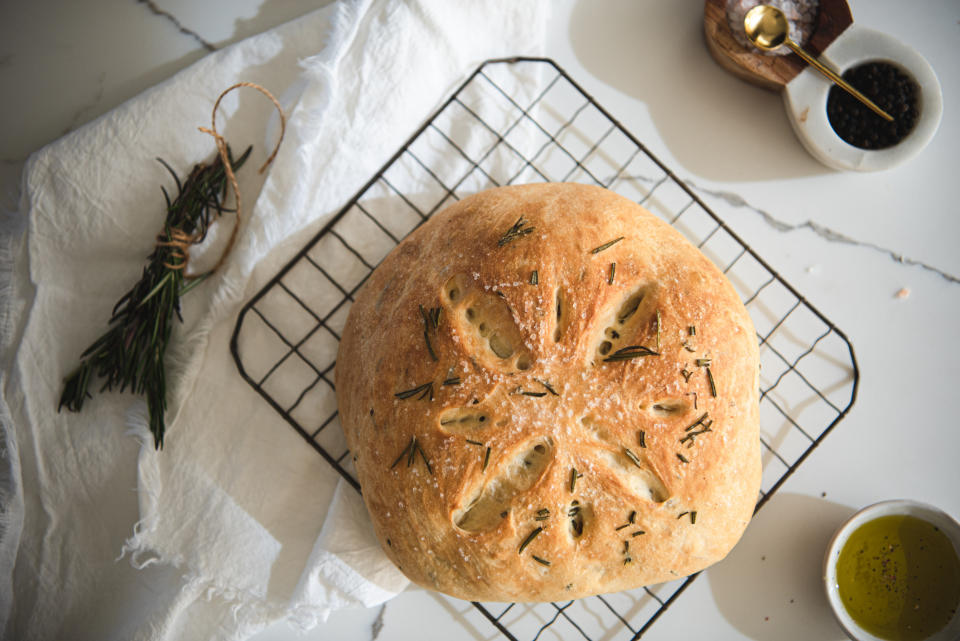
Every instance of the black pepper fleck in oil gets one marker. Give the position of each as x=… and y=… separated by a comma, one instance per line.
x=899, y=578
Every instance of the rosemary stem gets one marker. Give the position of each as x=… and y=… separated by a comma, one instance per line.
x=159, y=286
x=193, y=282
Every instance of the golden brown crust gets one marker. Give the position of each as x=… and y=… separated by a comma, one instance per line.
x=523, y=397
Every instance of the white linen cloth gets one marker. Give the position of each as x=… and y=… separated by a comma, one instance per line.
x=238, y=522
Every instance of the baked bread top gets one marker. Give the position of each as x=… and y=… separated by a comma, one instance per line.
x=550, y=393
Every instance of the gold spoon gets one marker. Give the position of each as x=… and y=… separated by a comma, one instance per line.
x=767, y=28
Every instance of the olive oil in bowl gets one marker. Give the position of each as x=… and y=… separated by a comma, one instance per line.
x=894, y=571
x=899, y=578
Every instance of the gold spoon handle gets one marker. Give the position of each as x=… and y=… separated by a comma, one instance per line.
x=829, y=73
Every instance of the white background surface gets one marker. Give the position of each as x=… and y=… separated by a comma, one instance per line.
x=848, y=242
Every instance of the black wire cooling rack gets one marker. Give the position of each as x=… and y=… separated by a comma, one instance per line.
x=523, y=120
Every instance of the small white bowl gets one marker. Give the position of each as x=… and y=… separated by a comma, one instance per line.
x=805, y=98
x=939, y=518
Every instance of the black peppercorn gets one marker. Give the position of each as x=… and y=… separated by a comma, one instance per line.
x=891, y=89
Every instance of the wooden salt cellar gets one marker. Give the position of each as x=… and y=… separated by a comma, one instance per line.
x=769, y=71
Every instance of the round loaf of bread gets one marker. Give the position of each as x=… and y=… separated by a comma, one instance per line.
x=549, y=393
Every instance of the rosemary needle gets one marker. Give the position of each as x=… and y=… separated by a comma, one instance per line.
x=516, y=231
x=547, y=386
x=423, y=390
x=529, y=539
x=632, y=351
x=607, y=245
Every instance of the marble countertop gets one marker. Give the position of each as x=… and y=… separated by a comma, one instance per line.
x=876, y=253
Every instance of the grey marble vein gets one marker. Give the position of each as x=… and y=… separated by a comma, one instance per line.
x=823, y=231
x=152, y=6
x=377, y=623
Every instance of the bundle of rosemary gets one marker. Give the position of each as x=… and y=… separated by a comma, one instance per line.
x=130, y=355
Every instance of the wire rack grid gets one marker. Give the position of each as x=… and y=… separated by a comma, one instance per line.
x=523, y=120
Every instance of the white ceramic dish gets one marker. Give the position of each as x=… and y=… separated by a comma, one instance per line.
x=947, y=525
x=805, y=98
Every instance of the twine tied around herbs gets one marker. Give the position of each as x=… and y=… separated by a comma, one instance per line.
x=181, y=241
x=130, y=354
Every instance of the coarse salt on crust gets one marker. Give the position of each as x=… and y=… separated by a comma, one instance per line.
x=479, y=466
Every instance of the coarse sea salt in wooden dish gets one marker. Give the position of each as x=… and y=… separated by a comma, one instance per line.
x=814, y=25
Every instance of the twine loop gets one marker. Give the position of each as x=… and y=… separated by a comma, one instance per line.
x=181, y=241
